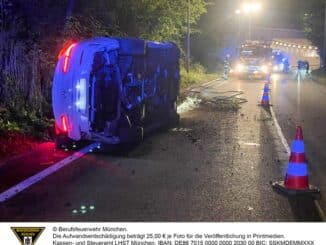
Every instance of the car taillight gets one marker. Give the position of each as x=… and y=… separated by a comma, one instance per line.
x=64, y=123
x=66, y=52
x=65, y=127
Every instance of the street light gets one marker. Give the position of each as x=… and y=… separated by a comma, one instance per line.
x=249, y=9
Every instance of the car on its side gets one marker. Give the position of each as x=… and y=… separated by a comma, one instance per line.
x=113, y=90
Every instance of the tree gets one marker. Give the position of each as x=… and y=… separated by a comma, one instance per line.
x=151, y=19
x=313, y=20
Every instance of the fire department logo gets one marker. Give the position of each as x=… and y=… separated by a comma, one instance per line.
x=27, y=235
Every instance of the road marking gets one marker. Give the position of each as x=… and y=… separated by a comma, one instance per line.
x=181, y=129
x=288, y=150
x=46, y=172
x=248, y=143
x=220, y=84
x=207, y=87
x=209, y=82
x=280, y=133
x=320, y=211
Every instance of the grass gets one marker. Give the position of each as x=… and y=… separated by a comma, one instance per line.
x=197, y=74
x=24, y=122
x=21, y=130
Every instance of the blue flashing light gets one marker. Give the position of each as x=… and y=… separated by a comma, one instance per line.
x=297, y=169
x=297, y=146
x=265, y=97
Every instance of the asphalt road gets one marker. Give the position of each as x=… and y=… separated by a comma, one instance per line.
x=303, y=102
x=216, y=166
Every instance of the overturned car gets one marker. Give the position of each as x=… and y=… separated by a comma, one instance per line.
x=114, y=90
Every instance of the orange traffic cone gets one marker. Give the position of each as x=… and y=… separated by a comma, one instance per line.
x=296, y=178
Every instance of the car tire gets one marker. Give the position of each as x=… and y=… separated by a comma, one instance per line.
x=174, y=120
x=129, y=135
x=63, y=142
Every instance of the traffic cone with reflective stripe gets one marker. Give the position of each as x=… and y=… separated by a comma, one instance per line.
x=266, y=87
x=265, y=98
x=296, y=178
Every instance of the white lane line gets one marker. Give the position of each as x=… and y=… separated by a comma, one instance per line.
x=248, y=143
x=280, y=133
x=46, y=172
x=209, y=82
x=320, y=211
x=288, y=150
x=220, y=84
x=206, y=87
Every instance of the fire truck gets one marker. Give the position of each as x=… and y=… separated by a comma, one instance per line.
x=253, y=60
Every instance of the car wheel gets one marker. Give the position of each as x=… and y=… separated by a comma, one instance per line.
x=63, y=142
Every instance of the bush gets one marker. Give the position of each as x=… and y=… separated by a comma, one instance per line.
x=25, y=123
x=197, y=73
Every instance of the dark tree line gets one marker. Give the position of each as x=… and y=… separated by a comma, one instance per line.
x=313, y=19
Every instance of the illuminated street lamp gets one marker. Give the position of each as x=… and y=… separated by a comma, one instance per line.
x=249, y=9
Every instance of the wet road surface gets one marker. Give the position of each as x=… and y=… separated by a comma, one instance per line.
x=20, y=167
x=216, y=166
x=302, y=102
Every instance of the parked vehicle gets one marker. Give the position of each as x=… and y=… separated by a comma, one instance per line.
x=113, y=90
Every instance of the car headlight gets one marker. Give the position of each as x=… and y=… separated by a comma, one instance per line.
x=240, y=67
x=281, y=66
x=264, y=68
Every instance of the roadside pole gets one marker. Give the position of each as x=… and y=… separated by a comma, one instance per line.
x=324, y=47
x=188, y=37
